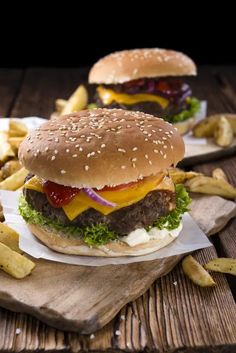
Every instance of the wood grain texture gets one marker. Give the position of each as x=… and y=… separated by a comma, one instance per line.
x=170, y=317
x=10, y=84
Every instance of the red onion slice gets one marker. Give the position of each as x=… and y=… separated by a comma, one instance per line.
x=97, y=198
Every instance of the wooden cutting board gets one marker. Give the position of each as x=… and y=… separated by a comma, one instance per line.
x=84, y=299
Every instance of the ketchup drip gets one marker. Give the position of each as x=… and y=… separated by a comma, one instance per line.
x=59, y=195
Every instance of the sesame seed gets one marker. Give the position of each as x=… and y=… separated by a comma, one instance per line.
x=35, y=154
x=37, y=151
x=117, y=333
x=135, y=149
x=74, y=155
x=134, y=159
x=146, y=156
x=155, y=151
x=80, y=149
x=76, y=146
x=161, y=152
x=171, y=147
x=103, y=145
x=28, y=150
x=63, y=171
x=164, y=138
x=67, y=150
x=160, y=130
x=46, y=149
x=121, y=150
x=98, y=151
x=164, y=146
x=133, y=165
x=164, y=156
x=56, y=151
x=52, y=158
x=86, y=167
x=150, y=162
x=123, y=167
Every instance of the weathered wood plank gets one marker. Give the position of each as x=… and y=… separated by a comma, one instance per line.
x=42, y=86
x=10, y=82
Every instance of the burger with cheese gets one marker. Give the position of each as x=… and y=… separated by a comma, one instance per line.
x=148, y=80
x=99, y=184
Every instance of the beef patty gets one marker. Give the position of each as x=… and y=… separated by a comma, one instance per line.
x=148, y=107
x=141, y=214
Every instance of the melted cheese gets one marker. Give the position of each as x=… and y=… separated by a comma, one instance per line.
x=122, y=198
x=108, y=96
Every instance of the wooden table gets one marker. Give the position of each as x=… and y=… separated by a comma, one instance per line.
x=174, y=315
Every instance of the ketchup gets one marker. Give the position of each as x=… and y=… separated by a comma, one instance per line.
x=59, y=195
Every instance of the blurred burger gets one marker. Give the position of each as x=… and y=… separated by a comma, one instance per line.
x=148, y=80
x=99, y=184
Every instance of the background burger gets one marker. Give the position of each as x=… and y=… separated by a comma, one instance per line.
x=148, y=80
x=99, y=183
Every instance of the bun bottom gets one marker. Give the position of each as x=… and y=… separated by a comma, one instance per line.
x=73, y=246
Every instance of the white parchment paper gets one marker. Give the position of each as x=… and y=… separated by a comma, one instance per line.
x=191, y=238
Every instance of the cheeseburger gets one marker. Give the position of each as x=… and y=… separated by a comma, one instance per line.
x=148, y=80
x=99, y=184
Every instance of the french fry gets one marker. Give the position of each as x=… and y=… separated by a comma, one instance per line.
x=17, y=128
x=212, y=186
x=10, y=168
x=14, y=264
x=223, y=133
x=224, y=265
x=15, y=143
x=180, y=176
x=206, y=127
x=218, y=173
x=9, y=237
x=60, y=105
x=14, y=181
x=5, y=148
x=78, y=101
x=196, y=272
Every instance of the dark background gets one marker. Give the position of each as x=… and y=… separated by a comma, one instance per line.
x=72, y=34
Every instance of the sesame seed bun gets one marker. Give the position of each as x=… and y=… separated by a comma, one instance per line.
x=95, y=148
x=133, y=64
x=61, y=243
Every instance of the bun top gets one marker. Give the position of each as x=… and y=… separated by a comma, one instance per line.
x=95, y=148
x=133, y=64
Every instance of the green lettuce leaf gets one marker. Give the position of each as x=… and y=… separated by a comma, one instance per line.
x=173, y=219
x=194, y=107
x=92, y=106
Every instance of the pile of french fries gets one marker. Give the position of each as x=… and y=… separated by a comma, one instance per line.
x=195, y=182
x=12, y=260
x=76, y=102
x=12, y=174
x=222, y=127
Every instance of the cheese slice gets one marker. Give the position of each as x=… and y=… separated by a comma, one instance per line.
x=108, y=96
x=123, y=198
